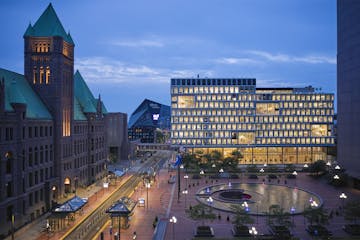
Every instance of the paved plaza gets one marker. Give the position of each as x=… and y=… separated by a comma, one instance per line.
x=164, y=203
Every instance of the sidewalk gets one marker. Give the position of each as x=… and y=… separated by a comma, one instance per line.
x=142, y=221
x=95, y=193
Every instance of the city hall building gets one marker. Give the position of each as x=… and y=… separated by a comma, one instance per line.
x=53, y=131
x=267, y=125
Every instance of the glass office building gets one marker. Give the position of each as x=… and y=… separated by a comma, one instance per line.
x=267, y=125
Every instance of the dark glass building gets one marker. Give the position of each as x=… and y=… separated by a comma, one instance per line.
x=348, y=85
x=148, y=117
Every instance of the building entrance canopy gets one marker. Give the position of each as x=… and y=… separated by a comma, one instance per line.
x=71, y=205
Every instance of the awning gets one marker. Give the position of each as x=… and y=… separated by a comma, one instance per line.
x=124, y=206
x=71, y=205
x=118, y=173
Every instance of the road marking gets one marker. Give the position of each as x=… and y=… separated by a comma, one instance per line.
x=101, y=230
x=171, y=200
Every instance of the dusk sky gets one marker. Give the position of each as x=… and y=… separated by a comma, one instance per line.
x=127, y=50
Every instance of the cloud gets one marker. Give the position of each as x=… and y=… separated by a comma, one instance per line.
x=101, y=70
x=237, y=61
x=285, y=58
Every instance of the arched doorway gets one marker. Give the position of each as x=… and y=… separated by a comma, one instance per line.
x=67, y=183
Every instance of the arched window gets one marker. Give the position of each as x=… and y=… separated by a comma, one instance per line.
x=47, y=80
x=34, y=75
x=41, y=75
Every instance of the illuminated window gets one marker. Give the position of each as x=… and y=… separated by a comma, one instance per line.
x=34, y=75
x=47, y=79
x=41, y=75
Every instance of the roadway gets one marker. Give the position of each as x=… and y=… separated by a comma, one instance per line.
x=91, y=224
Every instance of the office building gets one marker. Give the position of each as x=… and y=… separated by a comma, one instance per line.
x=348, y=85
x=267, y=125
x=148, y=117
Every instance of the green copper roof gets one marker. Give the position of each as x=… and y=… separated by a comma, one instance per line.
x=84, y=97
x=78, y=114
x=15, y=95
x=18, y=90
x=48, y=25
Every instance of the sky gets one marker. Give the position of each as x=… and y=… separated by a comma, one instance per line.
x=128, y=50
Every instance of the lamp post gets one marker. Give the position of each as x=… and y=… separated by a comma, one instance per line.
x=295, y=175
x=336, y=177
x=173, y=220
x=210, y=201
x=12, y=225
x=292, y=211
x=221, y=170
x=337, y=167
x=147, y=185
x=343, y=197
x=186, y=177
x=185, y=192
x=262, y=170
x=253, y=232
x=245, y=206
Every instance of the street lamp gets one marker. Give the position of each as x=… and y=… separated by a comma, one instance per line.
x=221, y=170
x=336, y=177
x=262, y=170
x=210, y=200
x=186, y=177
x=245, y=206
x=253, y=232
x=328, y=164
x=314, y=204
x=173, y=220
x=337, y=167
x=292, y=211
x=185, y=192
x=202, y=172
x=343, y=197
x=147, y=185
x=295, y=175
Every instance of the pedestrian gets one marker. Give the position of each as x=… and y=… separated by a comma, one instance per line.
x=228, y=218
x=110, y=230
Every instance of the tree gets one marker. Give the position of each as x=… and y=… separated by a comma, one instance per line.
x=316, y=215
x=352, y=211
x=241, y=216
x=318, y=167
x=200, y=212
x=229, y=163
x=277, y=216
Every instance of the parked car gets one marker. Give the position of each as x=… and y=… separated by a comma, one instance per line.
x=172, y=179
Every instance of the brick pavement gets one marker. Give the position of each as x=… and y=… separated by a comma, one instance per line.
x=160, y=195
x=160, y=205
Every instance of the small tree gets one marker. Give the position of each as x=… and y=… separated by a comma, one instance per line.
x=241, y=216
x=200, y=212
x=316, y=215
x=277, y=216
x=318, y=167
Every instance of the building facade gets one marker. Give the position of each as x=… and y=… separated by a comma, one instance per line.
x=117, y=137
x=348, y=85
x=267, y=125
x=148, y=117
x=53, y=131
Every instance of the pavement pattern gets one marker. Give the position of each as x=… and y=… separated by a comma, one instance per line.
x=164, y=203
